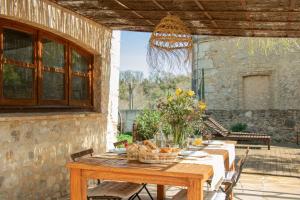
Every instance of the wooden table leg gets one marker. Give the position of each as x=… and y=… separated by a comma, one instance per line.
x=160, y=192
x=78, y=185
x=195, y=190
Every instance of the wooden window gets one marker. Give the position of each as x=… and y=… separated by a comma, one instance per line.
x=80, y=76
x=38, y=69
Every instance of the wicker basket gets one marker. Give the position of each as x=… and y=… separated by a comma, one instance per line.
x=155, y=157
x=132, y=155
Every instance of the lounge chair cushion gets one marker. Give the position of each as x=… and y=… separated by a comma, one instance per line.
x=208, y=195
x=117, y=189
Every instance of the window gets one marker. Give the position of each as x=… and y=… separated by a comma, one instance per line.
x=39, y=69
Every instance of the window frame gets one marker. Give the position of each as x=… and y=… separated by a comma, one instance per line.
x=19, y=102
x=37, y=101
x=53, y=70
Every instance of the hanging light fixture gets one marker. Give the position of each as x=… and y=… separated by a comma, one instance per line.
x=170, y=45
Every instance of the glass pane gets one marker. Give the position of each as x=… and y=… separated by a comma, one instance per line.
x=53, y=54
x=53, y=86
x=17, y=82
x=18, y=46
x=79, y=88
x=79, y=62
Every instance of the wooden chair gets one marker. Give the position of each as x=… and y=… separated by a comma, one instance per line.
x=110, y=190
x=125, y=142
x=222, y=133
x=231, y=175
x=222, y=194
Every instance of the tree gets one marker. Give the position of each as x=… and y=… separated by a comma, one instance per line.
x=130, y=79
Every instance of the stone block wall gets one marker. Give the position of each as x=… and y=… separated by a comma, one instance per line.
x=36, y=147
x=240, y=75
x=279, y=124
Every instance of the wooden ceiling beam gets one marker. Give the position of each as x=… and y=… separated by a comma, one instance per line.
x=244, y=5
x=225, y=12
x=291, y=8
x=132, y=11
x=202, y=20
x=205, y=13
x=114, y=25
x=224, y=32
x=158, y=4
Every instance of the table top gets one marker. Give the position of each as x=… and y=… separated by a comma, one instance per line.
x=119, y=164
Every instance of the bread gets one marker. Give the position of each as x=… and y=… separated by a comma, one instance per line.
x=165, y=150
x=150, y=144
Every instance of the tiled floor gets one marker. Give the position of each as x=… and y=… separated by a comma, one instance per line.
x=280, y=160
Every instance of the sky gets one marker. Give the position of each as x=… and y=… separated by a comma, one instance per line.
x=134, y=51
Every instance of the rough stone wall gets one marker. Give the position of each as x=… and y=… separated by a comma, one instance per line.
x=36, y=146
x=279, y=124
x=229, y=61
x=35, y=149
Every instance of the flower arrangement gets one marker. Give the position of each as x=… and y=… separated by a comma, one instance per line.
x=183, y=113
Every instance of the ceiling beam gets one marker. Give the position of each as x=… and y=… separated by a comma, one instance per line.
x=114, y=25
x=225, y=12
x=244, y=5
x=291, y=8
x=199, y=20
x=225, y=32
x=205, y=13
x=132, y=11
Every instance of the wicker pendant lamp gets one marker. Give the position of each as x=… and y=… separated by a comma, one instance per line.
x=170, y=45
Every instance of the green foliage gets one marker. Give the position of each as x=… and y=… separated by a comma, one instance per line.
x=149, y=90
x=238, y=127
x=148, y=123
x=125, y=137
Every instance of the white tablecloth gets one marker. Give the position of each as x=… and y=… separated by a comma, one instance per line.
x=228, y=147
x=217, y=163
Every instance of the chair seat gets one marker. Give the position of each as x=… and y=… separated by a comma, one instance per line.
x=116, y=189
x=208, y=195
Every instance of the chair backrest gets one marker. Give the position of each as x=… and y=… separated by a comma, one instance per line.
x=123, y=142
x=222, y=128
x=240, y=166
x=74, y=156
x=215, y=128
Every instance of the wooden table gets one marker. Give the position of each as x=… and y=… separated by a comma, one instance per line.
x=191, y=176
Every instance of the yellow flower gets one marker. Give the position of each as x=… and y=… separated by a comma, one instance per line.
x=170, y=98
x=202, y=105
x=191, y=93
x=178, y=92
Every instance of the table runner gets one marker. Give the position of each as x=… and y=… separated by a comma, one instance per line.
x=228, y=147
x=217, y=163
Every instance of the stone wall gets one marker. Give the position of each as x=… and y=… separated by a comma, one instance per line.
x=36, y=146
x=241, y=74
x=277, y=123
